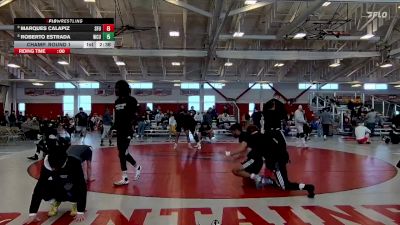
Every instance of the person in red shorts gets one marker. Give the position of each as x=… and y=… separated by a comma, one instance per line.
x=362, y=134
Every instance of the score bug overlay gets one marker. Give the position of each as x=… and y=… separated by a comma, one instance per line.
x=60, y=35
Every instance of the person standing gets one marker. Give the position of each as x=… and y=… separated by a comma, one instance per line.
x=107, y=123
x=82, y=123
x=371, y=119
x=256, y=117
x=299, y=122
x=125, y=108
x=326, y=121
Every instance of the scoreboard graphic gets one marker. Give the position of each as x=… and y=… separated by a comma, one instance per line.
x=60, y=35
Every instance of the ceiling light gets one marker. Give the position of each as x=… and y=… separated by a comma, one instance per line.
x=63, y=62
x=299, y=35
x=386, y=65
x=279, y=64
x=174, y=33
x=356, y=85
x=367, y=36
x=326, y=4
x=397, y=86
x=12, y=65
x=335, y=64
x=37, y=84
x=250, y=2
x=89, y=0
x=5, y=2
x=177, y=85
x=120, y=63
x=176, y=63
x=228, y=64
x=238, y=34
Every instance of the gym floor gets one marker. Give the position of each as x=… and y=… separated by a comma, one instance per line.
x=355, y=184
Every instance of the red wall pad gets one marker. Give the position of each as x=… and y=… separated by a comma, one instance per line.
x=44, y=110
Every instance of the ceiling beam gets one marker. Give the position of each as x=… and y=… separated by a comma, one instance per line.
x=142, y=52
x=122, y=69
x=294, y=55
x=299, y=20
x=50, y=63
x=274, y=37
x=247, y=8
x=157, y=25
x=234, y=54
x=187, y=6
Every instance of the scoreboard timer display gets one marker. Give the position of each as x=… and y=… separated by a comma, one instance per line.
x=60, y=35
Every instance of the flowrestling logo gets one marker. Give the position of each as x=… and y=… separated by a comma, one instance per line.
x=380, y=15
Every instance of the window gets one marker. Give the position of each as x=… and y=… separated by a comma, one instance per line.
x=330, y=86
x=373, y=86
x=251, y=108
x=303, y=86
x=260, y=86
x=194, y=101
x=150, y=106
x=64, y=85
x=190, y=86
x=85, y=101
x=21, y=108
x=68, y=105
x=89, y=85
x=215, y=85
x=209, y=101
x=145, y=85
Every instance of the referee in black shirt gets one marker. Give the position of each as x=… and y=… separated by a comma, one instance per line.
x=125, y=108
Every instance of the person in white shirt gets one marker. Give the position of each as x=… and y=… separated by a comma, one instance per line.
x=299, y=121
x=362, y=134
x=172, y=125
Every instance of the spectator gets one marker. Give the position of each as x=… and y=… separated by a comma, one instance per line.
x=82, y=122
x=256, y=117
x=299, y=121
x=6, y=116
x=326, y=121
x=107, y=123
x=30, y=128
x=198, y=117
x=142, y=123
x=159, y=116
x=172, y=125
x=192, y=111
x=12, y=119
x=371, y=119
x=207, y=117
x=226, y=110
x=214, y=114
x=362, y=134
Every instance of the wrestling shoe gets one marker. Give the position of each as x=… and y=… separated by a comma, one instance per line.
x=198, y=146
x=175, y=146
x=54, y=208
x=259, y=182
x=110, y=143
x=123, y=181
x=190, y=146
x=74, y=210
x=310, y=189
x=35, y=157
x=138, y=172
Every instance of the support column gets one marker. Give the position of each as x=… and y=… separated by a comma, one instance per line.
x=373, y=102
x=383, y=108
x=76, y=101
x=201, y=92
x=363, y=98
x=14, y=96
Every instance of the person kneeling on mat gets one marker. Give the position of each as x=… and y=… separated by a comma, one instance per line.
x=251, y=139
x=61, y=179
x=84, y=154
x=394, y=136
x=362, y=134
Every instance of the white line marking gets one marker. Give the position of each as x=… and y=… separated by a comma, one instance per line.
x=6, y=220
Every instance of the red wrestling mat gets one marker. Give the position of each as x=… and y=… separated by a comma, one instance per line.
x=187, y=174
